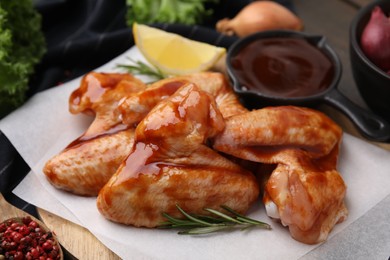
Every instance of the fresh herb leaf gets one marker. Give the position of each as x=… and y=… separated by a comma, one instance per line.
x=200, y=224
x=141, y=68
x=22, y=46
x=188, y=12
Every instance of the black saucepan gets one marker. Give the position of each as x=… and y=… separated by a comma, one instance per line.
x=370, y=125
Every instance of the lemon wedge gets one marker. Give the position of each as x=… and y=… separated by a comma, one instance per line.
x=174, y=54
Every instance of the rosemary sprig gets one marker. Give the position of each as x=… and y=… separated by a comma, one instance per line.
x=142, y=68
x=201, y=224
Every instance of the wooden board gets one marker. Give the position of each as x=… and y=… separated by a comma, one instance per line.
x=360, y=3
x=76, y=239
x=8, y=211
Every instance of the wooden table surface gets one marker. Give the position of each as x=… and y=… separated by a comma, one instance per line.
x=330, y=18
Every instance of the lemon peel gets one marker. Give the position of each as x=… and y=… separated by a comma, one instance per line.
x=174, y=54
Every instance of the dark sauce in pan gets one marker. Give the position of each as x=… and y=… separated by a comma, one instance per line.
x=283, y=67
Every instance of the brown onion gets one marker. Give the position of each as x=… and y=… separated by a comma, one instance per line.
x=375, y=39
x=259, y=16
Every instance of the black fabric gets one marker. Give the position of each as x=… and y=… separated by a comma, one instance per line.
x=82, y=35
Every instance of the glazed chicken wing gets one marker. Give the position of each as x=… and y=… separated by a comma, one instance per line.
x=217, y=85
x=88, y=162
x=99, y=95
x=304, y=191
x=171, y=164
x=148, y=150
x=137, y=106
x=306, y=195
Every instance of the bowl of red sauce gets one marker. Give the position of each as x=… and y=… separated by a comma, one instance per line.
x=274, y=68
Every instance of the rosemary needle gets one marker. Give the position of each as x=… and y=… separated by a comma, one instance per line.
x=142, y=68
x=218, y=221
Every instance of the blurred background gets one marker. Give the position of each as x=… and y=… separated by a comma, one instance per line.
x=83, y=34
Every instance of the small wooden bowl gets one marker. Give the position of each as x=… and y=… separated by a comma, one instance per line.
x=10, y=212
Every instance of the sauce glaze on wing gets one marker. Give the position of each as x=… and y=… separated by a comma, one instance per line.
x=171, y=164
x=304, y=191
x=136, y=107
x=157, y=139
x=87, y=163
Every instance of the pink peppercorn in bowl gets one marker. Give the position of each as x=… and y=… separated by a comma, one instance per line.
x=372, y=81
x=28, y=238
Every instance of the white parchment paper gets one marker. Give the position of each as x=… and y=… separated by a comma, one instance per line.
x=43, y=127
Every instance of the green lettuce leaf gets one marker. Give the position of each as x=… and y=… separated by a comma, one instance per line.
x=22, y=46
x=188, y=12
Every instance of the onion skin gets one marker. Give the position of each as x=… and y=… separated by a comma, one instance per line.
x=375, y=39
x=259, y=16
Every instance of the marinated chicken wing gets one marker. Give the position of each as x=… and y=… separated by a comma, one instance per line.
x=217, y=85
x=171, y=164
x=84, y=168
x=137, y=106
x=148, y=149
x=99, y=95
x=304, y=191
x=88, y=162
x=306, y=195
x=274, y=129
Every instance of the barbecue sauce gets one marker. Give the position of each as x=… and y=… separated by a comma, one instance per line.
x=283, y=67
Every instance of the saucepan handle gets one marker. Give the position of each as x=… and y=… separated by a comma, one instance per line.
x=369, y=125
